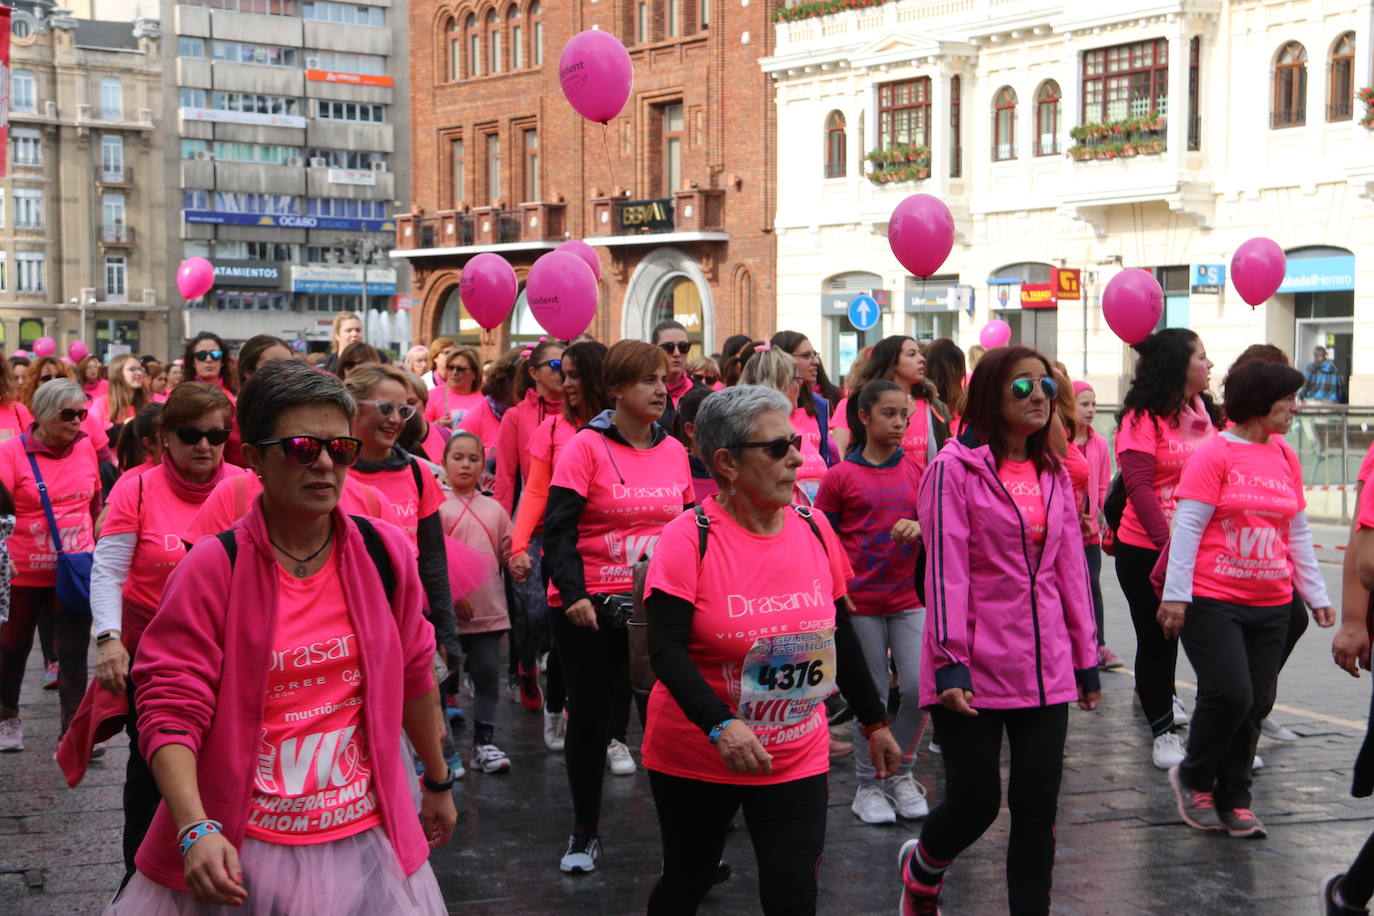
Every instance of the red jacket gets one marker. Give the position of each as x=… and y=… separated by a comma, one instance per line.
x=517, y=426
x=202, y=668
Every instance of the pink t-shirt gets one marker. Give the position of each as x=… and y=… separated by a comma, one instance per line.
x=482, y=422
x=1256, y=490
x=869, y=501
x=813, y=468
x=72, y=482
x=127, y=479
x=398, y=489
x=313, y=781
x=230, y=499
x=447, y=402
x=631, y=494
x=1023, y=485
x=1170, y=448
x=1078, y=475
x=479, y=522
x=550, y=438
x=95, y=389
x=15, y=420
x=434, y=443
x=749, y=592
x=1366, y=466
x=916, y=439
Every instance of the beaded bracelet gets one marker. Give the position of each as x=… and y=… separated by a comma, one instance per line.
x=187, y=836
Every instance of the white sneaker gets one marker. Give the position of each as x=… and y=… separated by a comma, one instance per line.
x=872, y=807
x=1168, y=750
x=934, y=749
x=581, y=857
x=12, y=734
x=1271, y=729
x=910, y=797
x=1180, y=714
x=619, y=760
x=555, y=730
x=489, y=759
x=1257, y=763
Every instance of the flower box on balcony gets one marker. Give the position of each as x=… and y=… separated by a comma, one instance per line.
x=1126, y=138
x=820, y=8
x=1366, y=95
x=902, y=162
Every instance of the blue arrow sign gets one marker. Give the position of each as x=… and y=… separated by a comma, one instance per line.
x=863, y=312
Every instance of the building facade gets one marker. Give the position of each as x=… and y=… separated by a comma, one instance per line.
x=676, y=194
x=1073, y=139
x=82, y=249
x=287, y=157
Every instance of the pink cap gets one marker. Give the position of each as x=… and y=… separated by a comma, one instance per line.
x=1080, y=387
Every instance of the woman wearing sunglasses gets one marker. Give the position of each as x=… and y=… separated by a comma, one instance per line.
x=61, y=451
x=1010, y=639
x=302, y=628
x=538, y=395
x=459, y=394
x=617, y=483
x=671, y=337
x=208, y=361
x=748, y=633
x=898, y=359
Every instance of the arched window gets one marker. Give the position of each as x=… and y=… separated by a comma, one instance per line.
x=454, y=49
x=517, y=36
x=1290, y=87
x=1340, y=87
x=536, y=36
x=493, y=42
x=1047, y=99
x=1004, y=124
x=473, y=39
x=834, y=145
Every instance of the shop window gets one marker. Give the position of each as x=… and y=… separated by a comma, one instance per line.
x=834, y=145
x=1290, y=87
x=1047, y=99
x=1004, y=124
x=1126, y=81
x=1340, y=87
x=30, y=329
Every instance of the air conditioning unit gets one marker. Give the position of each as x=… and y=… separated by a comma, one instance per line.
x=379, y=166
x=312, y=63
x=318, y=162
x=204, y=155
x=295, y=161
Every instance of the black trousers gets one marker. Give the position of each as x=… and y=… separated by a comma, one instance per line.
x=141, y=794
x=786, y=823
x=1094, y=555
x=1236, y=652
x=1156, y=656
x=972, y=751
x=71, y=639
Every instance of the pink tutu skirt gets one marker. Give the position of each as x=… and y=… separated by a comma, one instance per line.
x=355, y=876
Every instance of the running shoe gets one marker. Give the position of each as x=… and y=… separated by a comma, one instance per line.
x=581, y=857
x=910, y=797
x=1332, y=905
x=1107, y=660
x=455, y=764
x=917, y=899
x=12, y=734
x=555, y=730
x=1197, y=809
x=1180, y=714
x=1271, y=729
x=935, y=749
x=531, y=697
x=1242, y=824
x=872, y=807
x=1257, y=763
x=619, y=760
x=1168, y=750
x=50, y=676
x=489, y=759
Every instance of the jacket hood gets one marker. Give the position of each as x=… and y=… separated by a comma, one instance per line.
x=602, y=424
x=398, y=457
x=857, y=456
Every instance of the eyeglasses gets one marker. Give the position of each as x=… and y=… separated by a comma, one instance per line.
x=69, y=414
x=48, y=378
x=193, y=436
x=303, y=451
x=459, y=370
x=702, y=379
x=1023, y=388
x=682, y=347
x=386, y=409
x=555, y=364
x=774, y=448
x=205, y=356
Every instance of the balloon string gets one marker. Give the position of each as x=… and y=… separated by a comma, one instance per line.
x=606, y=146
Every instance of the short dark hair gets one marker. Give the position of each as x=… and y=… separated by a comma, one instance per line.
x=282, y=385
x=630, y=360
x=983, y=406
x=668, y=324
x=1253, y=389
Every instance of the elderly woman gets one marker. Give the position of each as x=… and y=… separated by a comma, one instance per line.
x=58, y=453
x=140, y=543
x=281, y=769
x=749, y=633
x=417, y=360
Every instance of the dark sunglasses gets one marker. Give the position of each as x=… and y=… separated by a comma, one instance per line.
x=775, y=448
x=704, y=379
x=69, y=414
x=555, y=364
x=682, y=346
x=1023, y=388
x=459, y=370
x=386, y=409
x=193, y=436
x=303, y=451
x=207, y=355
x=47, y=378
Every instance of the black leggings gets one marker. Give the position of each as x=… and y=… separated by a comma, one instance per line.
x=972, y=751
x=482, y=651
x=1156, y=656
x=71, y=639
x=786, y=823
x=1297, y=625
x=141, y=794
x=1094, y=555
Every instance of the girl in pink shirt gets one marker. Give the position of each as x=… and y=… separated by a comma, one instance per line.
x=899, y=359
x=450, y=402
x=1094, y=449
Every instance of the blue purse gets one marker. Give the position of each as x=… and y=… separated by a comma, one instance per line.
x=73, y=569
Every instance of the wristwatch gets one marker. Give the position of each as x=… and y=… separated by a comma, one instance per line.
x=106, y=636
x=432, y=786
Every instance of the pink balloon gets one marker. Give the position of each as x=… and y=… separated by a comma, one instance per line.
x=23, y=354
x=44, y=346
x=996, y=333
x=67, y=361
x=78, y=350
x=921, y=233
x=195, y=276
x=596, y=74
x=562, y=294
x=1132, y=304
x=585, y=252
x=1257, y=269
x=488, y=288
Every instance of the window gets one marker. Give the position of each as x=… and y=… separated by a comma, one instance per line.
x=23, y=91
x=195, y=200
x=111, y=99
x=28, y=208
x=474, y=45
x=704, y=16
x=458, y=171
x=641, y=22
x=673, y=15
x=265, y=7
x=347, y=14
x=4, y=271
x=1126, y=81
x=1047, y=99
x=904, y=113
x=190, y=47
x=327, y=254
x=956, y=142
x=21, y=28
x=30, y=329
x=493, y=42
x=344, y=62
x=271, y=204
x=226, y=151
x=834, y=145
x=255, y=251
x=531, y=171
x=350, y=111
x=537, y=30
x=517, y=49
x=1194, y=93
x=26, y=147
x=345, y=209
x=243, y=300
x=454, y=43
x=671, y=173
x=1340, y=86
x=112, y=157
x=116, y=278
x=493, y=143
x=112, y=213
x=252, y=103
x=1290, y=87
x=1004, y=124
x=334, y=302
x=31, y=271
x=347, y=159
x=191, y=98
x=237, y=52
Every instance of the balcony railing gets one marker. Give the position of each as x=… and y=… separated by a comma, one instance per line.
x=28, y=224
x=1287, y=117
x=117, y=234
x=1003, y=152
x=532, y=223
x=116, y=175
x=1340, y=110
x=690, y=210
x=507, y=226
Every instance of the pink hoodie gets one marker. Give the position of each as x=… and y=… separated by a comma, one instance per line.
x=1099, y=479
x=517, y=426
x=202, y=668
x=1012, y=629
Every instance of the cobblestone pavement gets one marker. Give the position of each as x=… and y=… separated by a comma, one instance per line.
x=1122, y=848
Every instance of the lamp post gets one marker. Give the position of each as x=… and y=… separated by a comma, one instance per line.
x=364, y=251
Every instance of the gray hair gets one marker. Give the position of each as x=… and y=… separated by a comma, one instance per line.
x=49, y=398
x=282, y=385
x=730, y=416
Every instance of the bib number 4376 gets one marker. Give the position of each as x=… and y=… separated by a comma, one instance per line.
x=786, y=676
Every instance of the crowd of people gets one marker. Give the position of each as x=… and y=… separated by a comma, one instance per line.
x=292, y=568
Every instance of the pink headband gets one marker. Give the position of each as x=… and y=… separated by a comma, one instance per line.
x=418, y=348
x=1080, y=387
x=763, y=348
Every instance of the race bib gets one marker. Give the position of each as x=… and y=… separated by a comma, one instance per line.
x=786, y=677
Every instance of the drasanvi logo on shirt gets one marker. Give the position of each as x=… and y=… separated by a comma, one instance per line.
x=314, y=653
x=1024, y=488
x=1250, y=543
x=627, y=549
x=334, y=757
x=738, y=605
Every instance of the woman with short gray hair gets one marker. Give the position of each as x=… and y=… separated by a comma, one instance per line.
x=748, y=633
x=58, y=454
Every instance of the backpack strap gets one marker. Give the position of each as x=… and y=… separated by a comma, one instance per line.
x=805, y=513
x=377, y=551
x=419, y=481
x=703, y=528
x=231, y=545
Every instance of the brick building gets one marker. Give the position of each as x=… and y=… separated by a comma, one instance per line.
x=677, y=194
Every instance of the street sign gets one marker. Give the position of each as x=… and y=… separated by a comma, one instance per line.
x=863, y=312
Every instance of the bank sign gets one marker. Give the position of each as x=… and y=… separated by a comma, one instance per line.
x=1319, y=275
x=218, y=218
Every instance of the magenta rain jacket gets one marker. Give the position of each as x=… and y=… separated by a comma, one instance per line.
x=1016, y=630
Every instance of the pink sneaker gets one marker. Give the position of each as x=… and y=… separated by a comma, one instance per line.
x=1107, y=659
x=917, y=899
x=50, y=676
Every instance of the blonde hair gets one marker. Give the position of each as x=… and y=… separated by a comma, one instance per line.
x=121, y=396
x=368, y=376
x=773, y=367
x=698, y=364
x=339, y=319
